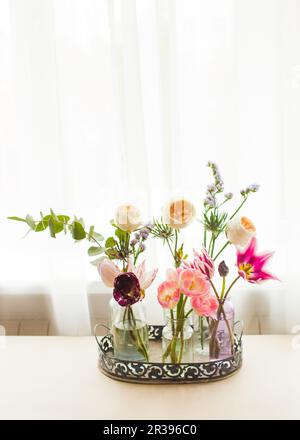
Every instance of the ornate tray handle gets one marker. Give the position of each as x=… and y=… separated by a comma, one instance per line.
x=158, y=372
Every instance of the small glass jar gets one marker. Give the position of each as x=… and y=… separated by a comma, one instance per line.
x=201, y=325
x=221, y=343
x=177, y=341
x=130, y=331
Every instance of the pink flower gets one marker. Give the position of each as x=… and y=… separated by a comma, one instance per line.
x=205, y=305
x=174, y=275
x=109, y=271
x=145, y=278
x=203, y=263
x=193, y=283
x=251, y=265
x=168, y=294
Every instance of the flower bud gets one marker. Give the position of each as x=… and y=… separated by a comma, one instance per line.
x=223, y=269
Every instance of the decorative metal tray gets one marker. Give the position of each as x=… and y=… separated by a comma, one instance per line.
x=158, y=372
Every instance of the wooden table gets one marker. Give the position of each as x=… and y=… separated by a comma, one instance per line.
x=58, y=378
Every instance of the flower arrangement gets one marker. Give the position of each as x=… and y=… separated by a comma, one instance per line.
x=118, y=269
x=192, y=301
x=191, y=285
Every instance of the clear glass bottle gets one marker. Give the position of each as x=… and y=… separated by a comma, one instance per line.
x=130, y=331
x=221, y=335
x=177, y=341
x=201, y=325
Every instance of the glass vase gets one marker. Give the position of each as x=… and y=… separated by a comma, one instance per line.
x=130, y=332
x=221, y=335
x=201, y=326
x=177, y=341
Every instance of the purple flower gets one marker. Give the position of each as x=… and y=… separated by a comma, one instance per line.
x=223, y=269
x=209, y=201
x=127, y=289
x=137, y=236
x=142, y=247
x=144, y=235
x=133, y=242
x=253, y=188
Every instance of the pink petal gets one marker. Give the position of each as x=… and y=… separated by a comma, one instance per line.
x=140, y=270
x=108, y=272
x=248, y=253
x=147, y=279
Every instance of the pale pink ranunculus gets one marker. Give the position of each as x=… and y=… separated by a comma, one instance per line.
x=108, y=272
x=168, y=294
x=206, y=305
x=193, y=283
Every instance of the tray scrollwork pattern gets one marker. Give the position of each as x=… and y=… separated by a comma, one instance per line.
x=158, y=372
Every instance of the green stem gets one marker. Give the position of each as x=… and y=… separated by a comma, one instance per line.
x=201, y=332
x=210, y=244
x=221, y=250
x=176, y=241
x=172, y=321
x=237, y=210
x=213, y=246
x=171, y=250
x=230, y=287
x=223, y=287
x=141, y=346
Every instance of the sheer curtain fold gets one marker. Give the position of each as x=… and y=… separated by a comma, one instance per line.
x=108, y=101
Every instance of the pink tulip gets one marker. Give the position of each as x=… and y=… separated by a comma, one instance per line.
x=203, y=263
x=168, y=294
x=173, y=275
x=251, y=265
x=108, y=272
x=145, y=278
x=193, y=283
x=205, y=305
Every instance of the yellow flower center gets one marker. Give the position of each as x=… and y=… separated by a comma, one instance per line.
x=246, y=268
x=247, y=224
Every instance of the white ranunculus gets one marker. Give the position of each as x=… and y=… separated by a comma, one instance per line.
x=128, y=218
x=240, y=230
x=179, y=213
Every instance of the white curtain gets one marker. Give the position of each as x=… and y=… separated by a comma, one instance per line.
x=108, y=101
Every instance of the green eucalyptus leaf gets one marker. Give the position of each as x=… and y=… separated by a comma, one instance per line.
x=110, y=242
x=51, y=227
x=41, y=226
x=98, y=236
x=95, y=250
x=18, y=219
x=91, y=232
x=78, y=232
x=30, y=221
x=120, y=234
x=55, y=226
x=63, y=218
x=53, y=215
